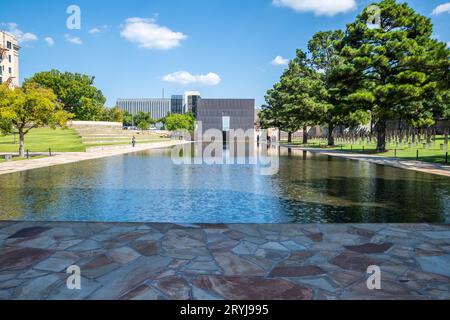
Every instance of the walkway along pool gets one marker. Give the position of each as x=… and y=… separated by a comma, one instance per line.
x=148, y=187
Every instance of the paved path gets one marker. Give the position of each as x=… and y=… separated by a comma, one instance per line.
x=71, y=157
x=180, y=262
x=433, y=168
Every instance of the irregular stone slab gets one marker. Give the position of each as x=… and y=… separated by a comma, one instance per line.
x=389, y=290
x=62, y=293
x=301, y=256
x=353, y=261
x=59, y=232
x=346, y=278
x=33, y=274
x=445, y=235
x=64, y=244
x=199, y=294
x=202, y=265
x=245, y=248
x=123, y=255
x=250, y=288
x=29, y=232
x=272, y=255
x=146, y=248
x=293, y=246
x=435, y=264
x=122, y=239
x=320, y=283
x=5, y=285
x=361, y=232
x=234, y=265
x=274, y=246
x=426, y=277
x=370, y=248
x=143, y=292
x=122, y=280
x=97, y=266
x=177, y=240
x=7, y=275
x=223, y=245
x=39, y=288
x=175, y=288
x=316, y=237
x=55, y=264
x=296, y=271
x=86, y=245
x=18, y=259
x=37, y=243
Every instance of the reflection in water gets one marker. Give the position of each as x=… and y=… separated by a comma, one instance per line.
x=148, y=186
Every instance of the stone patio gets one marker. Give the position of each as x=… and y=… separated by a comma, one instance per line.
x=169, y=261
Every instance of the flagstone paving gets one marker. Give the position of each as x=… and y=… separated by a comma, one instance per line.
x=237, y=262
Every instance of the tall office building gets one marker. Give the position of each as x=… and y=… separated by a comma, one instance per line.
x=177, y=104
x=191, y=99
x=158, y=108
x=9, y=59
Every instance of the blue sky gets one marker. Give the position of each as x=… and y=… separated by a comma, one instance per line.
x=222, y=48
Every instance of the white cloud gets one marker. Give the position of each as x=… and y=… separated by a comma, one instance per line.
x=448, y=44
x=184, y=78
x=280, y=61
x=49, y=41
x=98, y=29
x=147, y=34
x=442, y=8
x=21, y=36
x=73, y=40
x=319, y=7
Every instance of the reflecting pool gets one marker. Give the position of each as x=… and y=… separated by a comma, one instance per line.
x=150, y=187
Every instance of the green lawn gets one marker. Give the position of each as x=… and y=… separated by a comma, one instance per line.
x=41, y=139
x=434, y=154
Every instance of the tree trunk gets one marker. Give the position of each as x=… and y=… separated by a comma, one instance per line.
x=381, y=136
x=289, y=137
x=21, y=143
x=330, y=134
x=446, y=136
x=305, y=135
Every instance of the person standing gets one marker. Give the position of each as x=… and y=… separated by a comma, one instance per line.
x=133, y=141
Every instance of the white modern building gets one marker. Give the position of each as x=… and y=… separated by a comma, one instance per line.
x=9, y=59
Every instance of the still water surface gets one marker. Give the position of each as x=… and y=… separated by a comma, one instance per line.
x=149, y=187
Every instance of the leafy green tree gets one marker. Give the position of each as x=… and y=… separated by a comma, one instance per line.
x=127, y=119
x=174, y=122
x=144, y=117
x=76, y=92
x=143, y=125
x=396, y=69
x=113, y=114
x=324, y=48
x=29, y=107
x=276, y=113
x=298, y=100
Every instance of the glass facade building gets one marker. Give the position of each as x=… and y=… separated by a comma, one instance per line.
x=158, y=108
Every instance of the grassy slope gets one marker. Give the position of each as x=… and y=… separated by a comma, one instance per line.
x=434, y=154
x=41, y=139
